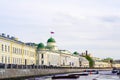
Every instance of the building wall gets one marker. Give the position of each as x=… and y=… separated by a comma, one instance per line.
x=101, y=64
x=75, y=61
x=83, y=62
x=13, y=52
x=49, y=58
x=64, y=60
x=53, y=58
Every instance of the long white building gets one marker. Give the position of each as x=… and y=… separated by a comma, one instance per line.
x=51, y=55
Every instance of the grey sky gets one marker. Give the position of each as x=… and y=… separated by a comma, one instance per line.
x=79, y=25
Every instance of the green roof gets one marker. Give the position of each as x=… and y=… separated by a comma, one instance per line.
x=40, y=46
x=51, y=40
x=76, y=53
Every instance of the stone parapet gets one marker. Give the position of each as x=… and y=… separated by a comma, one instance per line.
x=22, y=73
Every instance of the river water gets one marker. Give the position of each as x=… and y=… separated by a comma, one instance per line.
x=103, y=75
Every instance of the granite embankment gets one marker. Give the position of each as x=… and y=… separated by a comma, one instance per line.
x=22, y=73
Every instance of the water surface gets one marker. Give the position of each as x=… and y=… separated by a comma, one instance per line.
x=103, y=75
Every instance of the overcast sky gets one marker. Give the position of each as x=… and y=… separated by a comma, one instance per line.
x=79, y=25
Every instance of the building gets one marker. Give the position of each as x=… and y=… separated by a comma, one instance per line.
x=48, y=55
x=116, y=63
x=83, y=62
x=67, y=59
x=14, y=51
x=98, y=63
x=51, y=55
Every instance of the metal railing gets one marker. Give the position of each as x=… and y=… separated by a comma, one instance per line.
x=15, y=66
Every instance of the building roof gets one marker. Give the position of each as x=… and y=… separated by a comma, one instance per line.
x=40, y=46
x=13, y=39
x=51, y=40
x=76, y=53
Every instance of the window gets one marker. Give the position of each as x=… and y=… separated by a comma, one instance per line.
x=2, y=59
x=49, y=63
x=42, y=62
x=5, y=48
x=42, y=56
x=17, y=60
x=21, y=61
x=8, y=48
x=70, y=63
x=8, y=59
x=21, y=51
x=16, y=50
x=2, y=47
x=13, y=60
x=13, y=50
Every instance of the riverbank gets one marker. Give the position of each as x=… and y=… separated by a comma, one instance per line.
x=24, y=73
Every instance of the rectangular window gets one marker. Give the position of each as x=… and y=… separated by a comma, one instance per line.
x=5, y=48
x=13, y=61
x=16, y=50
x=42, y=62
x=2, y=59
x=21, y=61
x=13, y=50
x=8, y=60
x=21, y=51
x=2, y=47
x=42, y=56
x=8, y=48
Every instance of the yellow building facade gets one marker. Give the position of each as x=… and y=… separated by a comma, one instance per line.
x=13, y=51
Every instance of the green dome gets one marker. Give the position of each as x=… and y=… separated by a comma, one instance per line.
x=51, y=40
x=40, y=46
x=76, y=53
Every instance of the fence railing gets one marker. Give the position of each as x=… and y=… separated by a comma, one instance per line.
x=15, y=66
